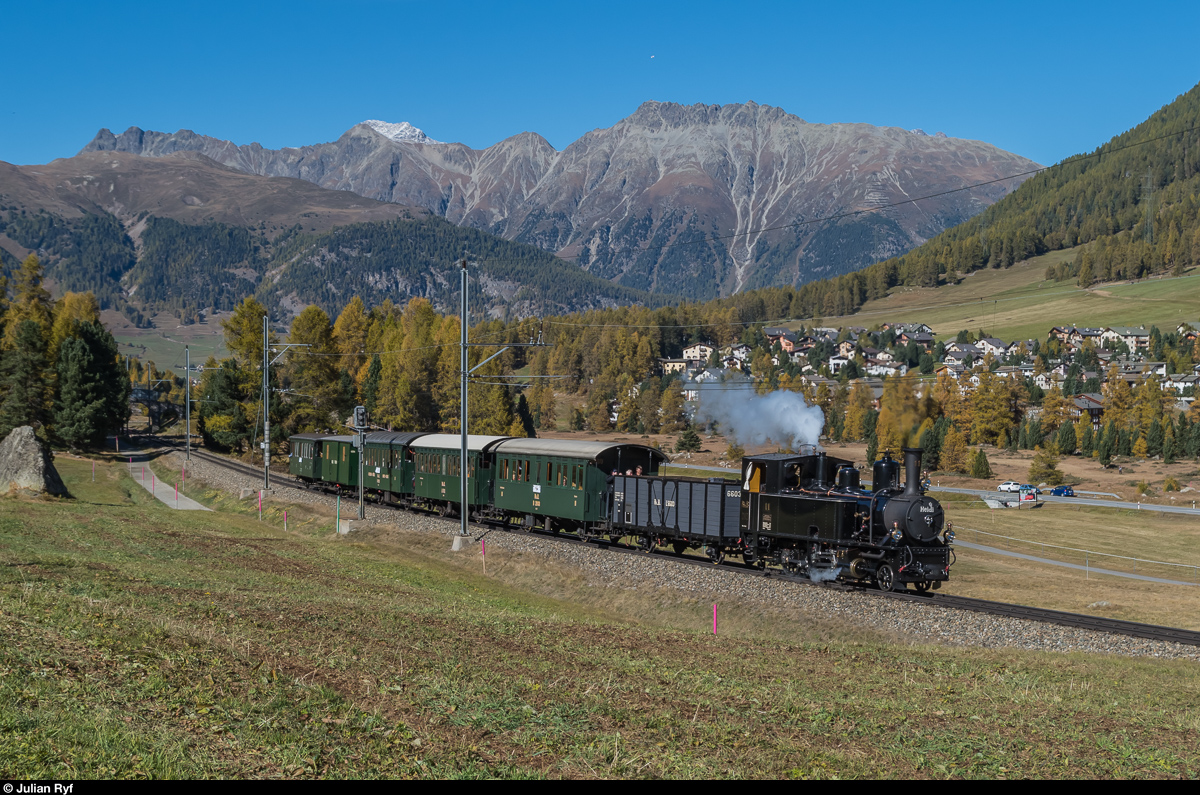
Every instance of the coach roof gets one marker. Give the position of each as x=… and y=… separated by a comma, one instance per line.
x=453, y=441
x=388, y=437
x=568, y=448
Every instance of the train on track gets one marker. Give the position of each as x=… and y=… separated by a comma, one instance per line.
x=808, y=514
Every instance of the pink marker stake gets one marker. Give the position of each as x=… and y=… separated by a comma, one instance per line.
x=285, y=521
x=483, y=552
x=714, y=618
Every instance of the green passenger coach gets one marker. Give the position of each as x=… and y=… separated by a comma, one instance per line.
x=304, y=453
x=562, y=483
x=339, y=461
x=436, y=471
x=388, y=465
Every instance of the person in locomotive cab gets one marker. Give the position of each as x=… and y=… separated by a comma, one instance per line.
x=639, y=471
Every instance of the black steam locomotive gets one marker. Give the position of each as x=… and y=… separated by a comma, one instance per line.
x=806, y=513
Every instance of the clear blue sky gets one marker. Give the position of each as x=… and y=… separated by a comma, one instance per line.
x=1044, y=79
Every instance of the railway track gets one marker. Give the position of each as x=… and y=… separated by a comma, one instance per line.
x=946, y=601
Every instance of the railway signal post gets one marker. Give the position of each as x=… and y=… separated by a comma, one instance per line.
x=360, y=425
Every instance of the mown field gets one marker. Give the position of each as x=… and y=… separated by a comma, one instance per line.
x=141, y=642
x=164, y=344
x=1018, y=303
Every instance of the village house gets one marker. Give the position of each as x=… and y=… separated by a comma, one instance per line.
x=1090, y=404
x=1178, y=383
x=992, y=345
x=889, y=369
x=669, y=366
x=699, y=352
x=738, y=351
x=1133, y=337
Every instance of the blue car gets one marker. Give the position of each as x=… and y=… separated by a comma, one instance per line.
x=1062, y=491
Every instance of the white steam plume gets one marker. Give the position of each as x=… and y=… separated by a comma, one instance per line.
x=752, y=419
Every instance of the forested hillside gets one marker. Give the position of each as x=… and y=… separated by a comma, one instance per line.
x=86, y=254
x=418, y=258
x=152, y=264
x=1133, y=204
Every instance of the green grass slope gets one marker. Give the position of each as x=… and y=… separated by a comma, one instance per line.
x=1019, y=303
x=137, y=642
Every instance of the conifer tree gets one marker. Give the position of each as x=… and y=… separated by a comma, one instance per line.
x=599, y=410
x=981, y=468
x=1066, y=441
x=688, y=441
x=30, y=301
x=672, y=408
x=524, y=417
x=859, y=407
x=548, y=409
x=93, y=392
x=1154, y=438
x=370, y=387
x=1044, y=468
x=24, y=374
x=221, y=420
x=1087, y=444
x=954, y=451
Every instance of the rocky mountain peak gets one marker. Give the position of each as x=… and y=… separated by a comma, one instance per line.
x=402, y=132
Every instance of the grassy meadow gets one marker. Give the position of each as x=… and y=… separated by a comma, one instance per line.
x=1018, y=303
x=140, y=642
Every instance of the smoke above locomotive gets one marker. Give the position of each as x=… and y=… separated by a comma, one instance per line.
x=782, y=417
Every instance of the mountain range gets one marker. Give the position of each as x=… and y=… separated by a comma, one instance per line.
x=673, y=199
x=183, y=233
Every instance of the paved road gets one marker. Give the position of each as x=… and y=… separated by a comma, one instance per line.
x=1091, y=569
x=1131, y=506
x=165, y=492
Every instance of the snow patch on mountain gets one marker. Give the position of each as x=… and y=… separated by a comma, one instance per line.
x=400, y=132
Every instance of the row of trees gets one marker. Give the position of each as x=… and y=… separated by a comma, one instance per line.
x=59, y=368
x=401, y=363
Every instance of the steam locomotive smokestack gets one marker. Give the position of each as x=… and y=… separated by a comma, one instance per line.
x=912, y=471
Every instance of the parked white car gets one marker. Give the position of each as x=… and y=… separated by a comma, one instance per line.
x=1009, y=485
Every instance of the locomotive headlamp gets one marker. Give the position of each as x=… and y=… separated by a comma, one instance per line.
x=949, y=535
x=896, y=533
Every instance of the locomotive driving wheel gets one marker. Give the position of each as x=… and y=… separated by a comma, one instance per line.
x=885, y=578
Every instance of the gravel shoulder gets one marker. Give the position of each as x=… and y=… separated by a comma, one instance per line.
x=906, y=621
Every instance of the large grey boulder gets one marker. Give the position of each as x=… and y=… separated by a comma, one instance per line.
x=25, y=465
